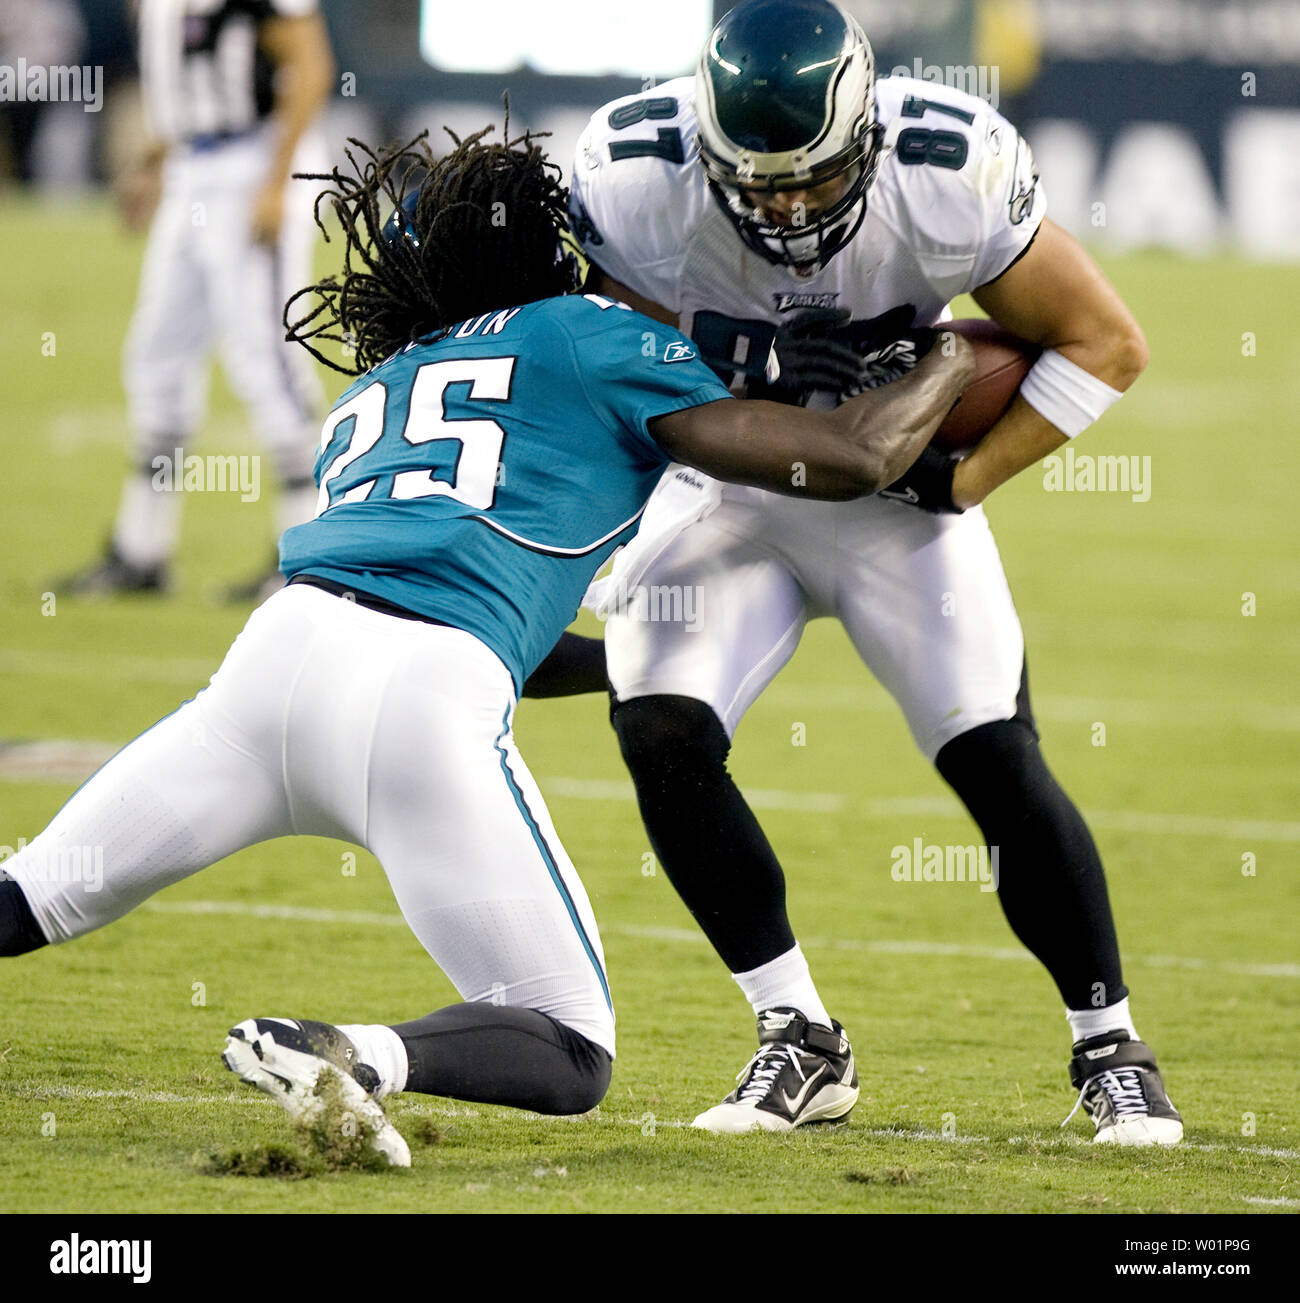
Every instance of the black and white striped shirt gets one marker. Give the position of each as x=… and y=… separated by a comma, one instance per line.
x=202, y=72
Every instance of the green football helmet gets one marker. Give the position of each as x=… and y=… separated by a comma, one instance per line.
x=785, y=100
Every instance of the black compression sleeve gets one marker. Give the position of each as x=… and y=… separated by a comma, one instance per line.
x=574, y=665
x=19, y=930
x=705, y=835
x=495, y=1054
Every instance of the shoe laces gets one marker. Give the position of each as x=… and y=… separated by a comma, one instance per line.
x=1123, y=1087
x=764, y=1068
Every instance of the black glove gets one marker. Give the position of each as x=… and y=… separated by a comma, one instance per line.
x=825, y=349
x=888, y=347
x=927, y=483
x=811, y=356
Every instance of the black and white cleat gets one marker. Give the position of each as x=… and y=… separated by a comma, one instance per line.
x=284, y=1058
x=1121, y=1089
x=802, y=1073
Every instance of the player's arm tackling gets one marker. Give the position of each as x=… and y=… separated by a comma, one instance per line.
x=855, y=450
x=1058, y=297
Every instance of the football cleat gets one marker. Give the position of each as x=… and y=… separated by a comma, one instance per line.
x=285, y=1057
x=1120, y=1087
x=802, y=1073
x=113, y=575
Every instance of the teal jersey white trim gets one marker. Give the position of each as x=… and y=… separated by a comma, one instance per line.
x=482, y=477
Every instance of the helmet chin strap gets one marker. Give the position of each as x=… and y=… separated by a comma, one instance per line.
x=777, y=244
x=829, y=242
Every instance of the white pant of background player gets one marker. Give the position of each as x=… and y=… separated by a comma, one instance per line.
x=207, y=287
x=923, y=599
x=332, y=720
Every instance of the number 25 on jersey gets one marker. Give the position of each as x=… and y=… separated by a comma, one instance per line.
x=469, y=448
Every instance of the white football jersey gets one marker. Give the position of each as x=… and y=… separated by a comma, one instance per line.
x=202, y=69
x=956, y=201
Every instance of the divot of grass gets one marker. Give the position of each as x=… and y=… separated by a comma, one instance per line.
x=426, y=1133
x=885, y=1176
x=339, y=1137
x=284, y=1162
x=335, y=1140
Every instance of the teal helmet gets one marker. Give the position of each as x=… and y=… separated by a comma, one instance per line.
x=785, y=100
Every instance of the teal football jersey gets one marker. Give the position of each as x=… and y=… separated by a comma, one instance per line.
x=483, y=477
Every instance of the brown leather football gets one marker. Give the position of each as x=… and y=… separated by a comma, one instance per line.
x=1002, y=360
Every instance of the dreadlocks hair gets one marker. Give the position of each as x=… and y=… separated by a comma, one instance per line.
x=484, y=234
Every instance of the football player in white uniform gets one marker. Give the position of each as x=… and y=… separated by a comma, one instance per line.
x=232, y=91
x=785, y=204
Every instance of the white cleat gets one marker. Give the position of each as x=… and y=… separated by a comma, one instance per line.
x=284, y=1058
x=1141, y=1131
x=801, y=1074
x=1121, y=1088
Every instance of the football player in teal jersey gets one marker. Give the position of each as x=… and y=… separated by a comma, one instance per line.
x=502, y=439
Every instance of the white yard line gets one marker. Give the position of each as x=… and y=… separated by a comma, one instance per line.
x=139, y=1096
x=926, y=1135
x=923, y=1135
x=1270, y=717
x=299, y=913
x=52, y=760
x=763, y=798
x=192, y=673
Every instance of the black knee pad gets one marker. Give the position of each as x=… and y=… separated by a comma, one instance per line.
x=996, y=766
x=998, y=758
x=669, y=736
x=1003, y=744
x=590, y=1082
x=20, y=933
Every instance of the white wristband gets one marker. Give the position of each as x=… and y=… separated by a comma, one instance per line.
x=1065, y=394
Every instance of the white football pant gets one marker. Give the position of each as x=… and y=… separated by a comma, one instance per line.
x=923, y=599
x=332, y=720
x=207, y=286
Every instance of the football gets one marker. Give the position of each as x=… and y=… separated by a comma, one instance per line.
x=1002, y=360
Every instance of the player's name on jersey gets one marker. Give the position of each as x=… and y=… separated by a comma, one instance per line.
x=1071, y=472
x=490, y=323
x=61, y=83
x=182, y=472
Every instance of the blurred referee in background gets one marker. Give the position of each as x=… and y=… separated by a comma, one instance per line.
x=231, y=91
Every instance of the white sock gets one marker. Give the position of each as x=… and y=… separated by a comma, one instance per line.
x=381, y=1047
x=784, y=983
x=1086, y=1023
x=148, y=522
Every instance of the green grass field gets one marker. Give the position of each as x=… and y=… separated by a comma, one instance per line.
x=110, y=1080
